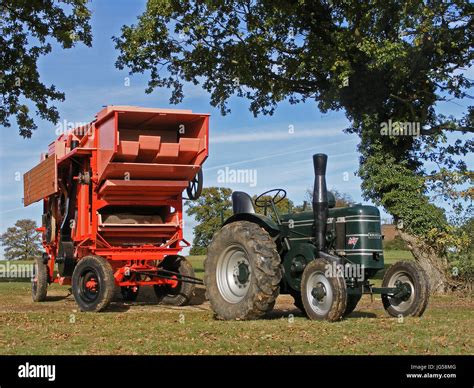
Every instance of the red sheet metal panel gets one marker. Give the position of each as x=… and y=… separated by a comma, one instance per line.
x=107, y=143
x=138, y=189
x=150, y=170
x=40, y=181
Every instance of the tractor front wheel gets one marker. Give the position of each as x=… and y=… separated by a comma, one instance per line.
x=93, y=283
x=324, y=297
x=39, y=282
x=413, y=283
x=183, y=292
x=242, y=272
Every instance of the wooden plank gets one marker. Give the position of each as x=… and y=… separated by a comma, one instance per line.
x=40, y=181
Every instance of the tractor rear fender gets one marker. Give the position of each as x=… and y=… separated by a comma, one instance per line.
x=265, y=222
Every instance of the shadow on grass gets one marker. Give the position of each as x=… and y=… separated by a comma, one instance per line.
x=57, y=298
x=361, y=314
x=117, y=307
x=278, y=314
x=295, y=312
x=147, y=297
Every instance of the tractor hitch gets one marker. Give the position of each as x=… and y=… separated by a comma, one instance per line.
x=400, y=291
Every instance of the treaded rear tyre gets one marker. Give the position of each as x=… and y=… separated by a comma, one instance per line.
x=413, y=274
x=242, y=272
x=93, y=283
x=39, y=282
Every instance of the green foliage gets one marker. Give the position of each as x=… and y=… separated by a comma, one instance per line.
x=397, y=244
x=22, y=241
x=462, y=261
x=197, y=250
x=342, y=199
x=27, y=29
x=208, y=210
x=462, y=266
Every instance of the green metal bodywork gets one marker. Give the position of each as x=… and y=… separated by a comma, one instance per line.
x=353, y=234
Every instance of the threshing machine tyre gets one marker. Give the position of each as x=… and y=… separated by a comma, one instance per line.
x=324, y=297
x=181, y=294
x=242, y=272
x=352, y=301
x=129, y=294
x=39, y=282
x=411, y=274
x=93, y=283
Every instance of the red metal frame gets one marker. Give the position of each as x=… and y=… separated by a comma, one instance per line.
x=162, y=175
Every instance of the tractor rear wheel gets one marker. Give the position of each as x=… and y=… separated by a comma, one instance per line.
x=352, y=301
x=93, y=283
x=242, y=272
x=408, y=274
x=181, y=294
x=129, y=294
x=39, y=282
x=324, y=297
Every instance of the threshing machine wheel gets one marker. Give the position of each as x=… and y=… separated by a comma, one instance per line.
x=39, y=281
x=242, y=272
x=129, y=294
x=411, y=278
x=183, y=292
x=324, y=297
x=93, y=283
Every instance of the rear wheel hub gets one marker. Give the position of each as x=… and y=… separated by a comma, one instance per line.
x=233, y=274
x=242, y=273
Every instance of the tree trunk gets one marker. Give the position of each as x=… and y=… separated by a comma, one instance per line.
x=436, y=266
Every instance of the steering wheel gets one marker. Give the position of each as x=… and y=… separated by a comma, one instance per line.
x=194, y=188
x=261, y=202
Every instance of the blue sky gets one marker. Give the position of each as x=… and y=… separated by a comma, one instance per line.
x=279, y=147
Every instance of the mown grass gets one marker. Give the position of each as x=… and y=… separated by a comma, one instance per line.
x=56, y=327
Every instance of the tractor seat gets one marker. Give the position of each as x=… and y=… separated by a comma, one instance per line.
x=242, y=202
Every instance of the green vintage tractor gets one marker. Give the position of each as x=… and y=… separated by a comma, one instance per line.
x=324, y=258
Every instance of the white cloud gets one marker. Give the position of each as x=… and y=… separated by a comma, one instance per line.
x=263, y=135
x=277, y=154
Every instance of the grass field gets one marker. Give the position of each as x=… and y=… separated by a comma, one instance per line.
x=56, y=327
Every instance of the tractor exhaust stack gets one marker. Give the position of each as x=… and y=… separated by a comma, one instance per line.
x=320, y=200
